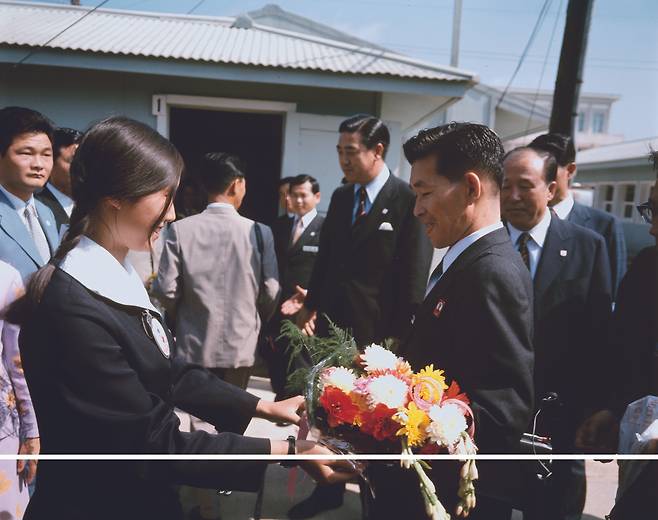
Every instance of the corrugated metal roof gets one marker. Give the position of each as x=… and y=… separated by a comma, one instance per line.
x=198, y=38
x=625, y=151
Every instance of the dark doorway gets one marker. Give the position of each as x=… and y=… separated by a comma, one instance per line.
x=256, y=138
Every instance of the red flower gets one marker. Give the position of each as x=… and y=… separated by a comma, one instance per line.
x=454, y=392
x=379, y=423
x=431, y=448
x=339, y=406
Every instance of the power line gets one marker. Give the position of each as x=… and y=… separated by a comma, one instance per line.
x=533, y=34
x=31, y=52
x=197, y=5
x=543, y=69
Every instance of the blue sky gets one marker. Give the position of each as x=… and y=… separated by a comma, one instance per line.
x=622, y=56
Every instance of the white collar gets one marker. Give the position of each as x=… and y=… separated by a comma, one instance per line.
x=64, y=200
x=460, y=246
x=308, y=218
x=94, y=267
x=564, y=207
x=537, y=233
x=220, y=205
x=18, y=203
x=375, y=186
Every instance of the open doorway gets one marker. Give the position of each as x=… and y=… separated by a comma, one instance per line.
x=257, y=138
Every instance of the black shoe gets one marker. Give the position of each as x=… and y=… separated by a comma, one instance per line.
x=322, y=499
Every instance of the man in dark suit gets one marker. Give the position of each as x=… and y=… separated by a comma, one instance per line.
x=57, y=193
x=571, y=278
x=564, y=205
x=374, y=259
x=476, y=319
x=296, y=241
x=28, y=236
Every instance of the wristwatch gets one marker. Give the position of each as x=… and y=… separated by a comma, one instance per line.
x=292, y=450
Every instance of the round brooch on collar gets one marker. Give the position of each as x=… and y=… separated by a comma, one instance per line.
x=156, y=332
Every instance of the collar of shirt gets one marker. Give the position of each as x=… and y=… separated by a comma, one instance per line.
x=460, y=246
x=537, y=233
x=564, y=207
x=221, y=205
x=307, y=219
x=375, y=186
x=64, y=200
x=94, y=267
x=18, y=203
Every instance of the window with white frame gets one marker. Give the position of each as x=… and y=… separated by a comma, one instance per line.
x=628, y=201
x=621, y=198
x=607, y=197
x=581, y=121
x=598, y=122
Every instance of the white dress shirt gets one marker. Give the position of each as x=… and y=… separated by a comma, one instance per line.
x=64, y=200
x=564, y=207
x=536, y=242
x=459, y=247
x=94, y=267
x=306, y=219
x=19, y=205
x=372, y=190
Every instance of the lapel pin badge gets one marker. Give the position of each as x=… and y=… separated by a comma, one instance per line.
x=384, y=211
x=438, y=309
x=312, y=233
x=563, y=252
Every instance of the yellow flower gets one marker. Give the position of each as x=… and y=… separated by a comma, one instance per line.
x=414, y=424
x=429, y=373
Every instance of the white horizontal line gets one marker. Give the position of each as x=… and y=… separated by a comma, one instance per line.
x=274, y=458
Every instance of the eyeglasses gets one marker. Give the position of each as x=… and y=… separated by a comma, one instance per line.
x=646, y=210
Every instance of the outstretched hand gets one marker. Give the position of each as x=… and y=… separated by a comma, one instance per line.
x=306, y=321
x=293, y=304
x=324, y=471
x=286, y=411
x=599, y=433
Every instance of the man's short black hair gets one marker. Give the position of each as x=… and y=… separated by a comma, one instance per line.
x=63, y=138
x=284, y=180
x=301, y=179
x=560, y=145
x=459, y=148
x=218, y=170
x=371, y=129
x=15, y=121
x=550, y=162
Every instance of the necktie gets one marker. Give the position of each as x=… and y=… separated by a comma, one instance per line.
x=299, y=229
x=523, y=248
x=361, y=207
x=34, y=227
x=434, y=277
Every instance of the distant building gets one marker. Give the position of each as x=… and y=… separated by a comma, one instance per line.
x=620, y=177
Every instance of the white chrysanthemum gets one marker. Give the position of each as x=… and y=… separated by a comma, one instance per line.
x=339, y=377
x=447, y=424
x=376, y=357
x=388, y=390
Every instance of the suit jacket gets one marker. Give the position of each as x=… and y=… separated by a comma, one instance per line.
x=610, y=228
x=16, y=244
x=370, y=277
x=48, y=198
x=214, y=280
x=476, y=324
x=572, y=309
x=101, y=385
x=295, y=262
x=633, y=331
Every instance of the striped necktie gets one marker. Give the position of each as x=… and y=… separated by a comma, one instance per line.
x=361, y=208
x=522, y=243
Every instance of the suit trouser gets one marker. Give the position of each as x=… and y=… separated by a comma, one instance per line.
x=561, y=497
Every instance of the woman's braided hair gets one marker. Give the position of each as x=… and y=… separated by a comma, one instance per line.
x=118, y=158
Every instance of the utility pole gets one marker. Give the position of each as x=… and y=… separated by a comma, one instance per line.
x=570, y=71
x=456, y=28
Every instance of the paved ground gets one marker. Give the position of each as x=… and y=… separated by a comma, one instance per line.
x=601, y=478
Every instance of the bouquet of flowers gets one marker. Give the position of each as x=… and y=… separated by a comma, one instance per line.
x=373, y=402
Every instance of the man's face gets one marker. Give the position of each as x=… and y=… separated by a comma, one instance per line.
x=26, y=165
x=359, y=164
x=61, y=174
x=284, y=200
x=441, y=205
x=525, y=194
x=303, y=199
